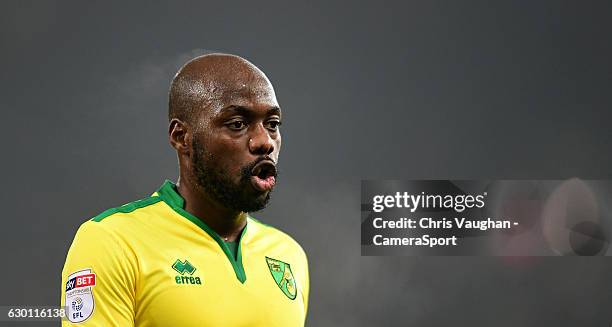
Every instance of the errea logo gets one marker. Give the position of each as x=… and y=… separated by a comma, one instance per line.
x=183, y=268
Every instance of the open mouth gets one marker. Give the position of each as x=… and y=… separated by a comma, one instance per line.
x=263, y=176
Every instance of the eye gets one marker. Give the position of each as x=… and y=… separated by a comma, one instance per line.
x=273, y=125
x=236, y=125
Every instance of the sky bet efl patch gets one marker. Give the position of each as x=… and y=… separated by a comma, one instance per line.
x=79, y=295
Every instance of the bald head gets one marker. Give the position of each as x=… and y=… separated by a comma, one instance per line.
x=211, y=82
x=224, y=121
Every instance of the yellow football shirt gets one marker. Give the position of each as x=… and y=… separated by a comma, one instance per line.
x=151, y=263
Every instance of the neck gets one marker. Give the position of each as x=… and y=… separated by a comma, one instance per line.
x=227, y=223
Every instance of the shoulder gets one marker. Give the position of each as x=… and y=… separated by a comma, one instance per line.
x=127, y=210
x=275, y=235
x=120, y=222
x=110, y=236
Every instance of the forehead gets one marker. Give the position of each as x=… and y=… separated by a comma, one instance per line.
x=251, y=95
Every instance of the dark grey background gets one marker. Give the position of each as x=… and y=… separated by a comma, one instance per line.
x=417, y=90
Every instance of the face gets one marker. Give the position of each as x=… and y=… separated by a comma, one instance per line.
x=236, y=144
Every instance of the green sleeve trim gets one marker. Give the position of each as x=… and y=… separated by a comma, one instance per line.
x=127, y=208
x=169, y=195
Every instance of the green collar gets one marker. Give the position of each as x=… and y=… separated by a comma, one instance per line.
x=167, y=192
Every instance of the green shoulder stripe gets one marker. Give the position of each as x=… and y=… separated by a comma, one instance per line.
x=127, y=208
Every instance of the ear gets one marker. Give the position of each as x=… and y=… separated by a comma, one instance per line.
x=179, y=136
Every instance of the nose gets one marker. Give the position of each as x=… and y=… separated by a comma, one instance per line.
x=260, y=141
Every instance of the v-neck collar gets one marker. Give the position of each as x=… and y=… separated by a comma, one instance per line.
x=167, y=192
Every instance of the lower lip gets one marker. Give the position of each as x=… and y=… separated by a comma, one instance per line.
x=263, y=184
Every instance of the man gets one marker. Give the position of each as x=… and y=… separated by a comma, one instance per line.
x=190, y=255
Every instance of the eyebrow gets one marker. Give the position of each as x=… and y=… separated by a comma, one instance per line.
x=247, y=112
